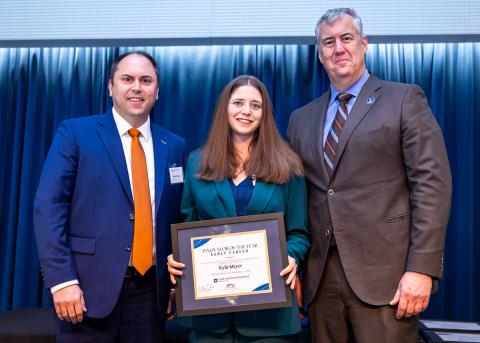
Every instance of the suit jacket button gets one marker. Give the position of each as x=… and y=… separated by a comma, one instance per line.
x=331, y=192
x=327, y=232
x=131, y=216
x=127, y=247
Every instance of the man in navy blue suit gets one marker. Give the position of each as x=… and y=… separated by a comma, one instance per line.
x=85, y=215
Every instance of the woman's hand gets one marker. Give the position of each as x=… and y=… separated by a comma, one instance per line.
x=173, y=268
x=291, y=271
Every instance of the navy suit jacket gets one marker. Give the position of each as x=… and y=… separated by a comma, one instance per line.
x=83, y=212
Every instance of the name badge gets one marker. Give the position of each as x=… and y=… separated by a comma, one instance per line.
x=176, y=175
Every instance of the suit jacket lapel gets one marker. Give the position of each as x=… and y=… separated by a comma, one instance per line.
x=358, y=111
x=108, y=132
x=225, y=197
x=160, y=154
x=262, y=193
x=316, y=123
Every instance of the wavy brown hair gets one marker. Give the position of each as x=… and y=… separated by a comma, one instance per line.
x=271, y=159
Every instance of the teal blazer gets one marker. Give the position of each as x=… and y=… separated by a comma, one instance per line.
x=203, y=200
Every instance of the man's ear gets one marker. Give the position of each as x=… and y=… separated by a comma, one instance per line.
x=320, y=56
x=365, y=44
x=110, y=86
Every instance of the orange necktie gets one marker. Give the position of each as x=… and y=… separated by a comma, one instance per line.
x=143, y=230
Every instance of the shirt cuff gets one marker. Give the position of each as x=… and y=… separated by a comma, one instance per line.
x=63, y=285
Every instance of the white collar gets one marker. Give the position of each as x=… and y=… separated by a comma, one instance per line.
x=123, y=126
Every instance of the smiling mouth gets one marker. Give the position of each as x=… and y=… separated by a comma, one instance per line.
x=135, y=99
x=244, y=121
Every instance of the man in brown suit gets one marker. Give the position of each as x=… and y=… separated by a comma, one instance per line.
x=379, y=195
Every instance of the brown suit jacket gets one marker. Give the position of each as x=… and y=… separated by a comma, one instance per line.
x=388, y=200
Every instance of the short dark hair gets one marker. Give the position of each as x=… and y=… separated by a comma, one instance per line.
x=135, y=52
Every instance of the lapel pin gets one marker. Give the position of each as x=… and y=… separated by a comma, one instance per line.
x=370, y=100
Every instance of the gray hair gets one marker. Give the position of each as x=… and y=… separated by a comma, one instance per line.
x=336, y=13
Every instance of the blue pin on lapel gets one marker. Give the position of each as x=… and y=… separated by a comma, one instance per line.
x=370, y=100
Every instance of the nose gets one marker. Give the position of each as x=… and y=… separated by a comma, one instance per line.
x=247, y=109
x=136, y=85
x=339, y=48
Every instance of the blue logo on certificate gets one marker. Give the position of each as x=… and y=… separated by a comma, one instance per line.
x=264, y=287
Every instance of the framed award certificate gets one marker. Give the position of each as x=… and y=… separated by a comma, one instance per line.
x=232, y=264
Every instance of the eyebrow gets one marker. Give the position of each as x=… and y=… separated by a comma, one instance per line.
x=342, y=35
x=141, y=77
x=259, y=101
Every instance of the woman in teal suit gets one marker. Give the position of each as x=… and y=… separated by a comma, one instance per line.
x=246, y=168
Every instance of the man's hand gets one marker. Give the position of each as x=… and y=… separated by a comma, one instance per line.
x=412, y=295
x=291, y=271
x=69, y=304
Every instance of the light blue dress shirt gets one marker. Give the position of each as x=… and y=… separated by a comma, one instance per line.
x=333, y=103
